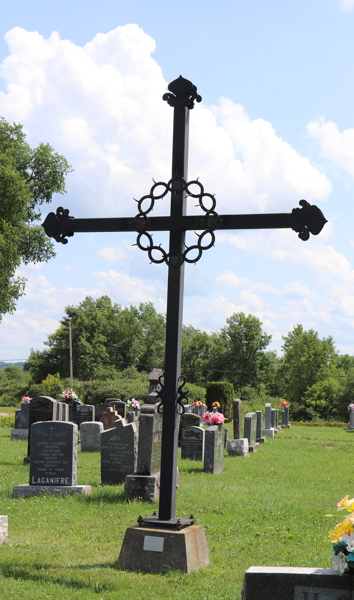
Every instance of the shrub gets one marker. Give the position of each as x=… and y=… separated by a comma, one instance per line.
x=222, y=392
x=50, y=386
x=7, y=422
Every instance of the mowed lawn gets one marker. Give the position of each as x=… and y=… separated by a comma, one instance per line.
x=267, y=509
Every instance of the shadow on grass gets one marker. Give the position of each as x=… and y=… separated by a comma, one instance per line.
x=38, y=573
x=348, y=430
x=104, y=495
x=192, y=470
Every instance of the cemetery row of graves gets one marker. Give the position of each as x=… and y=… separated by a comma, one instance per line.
x=122, y=445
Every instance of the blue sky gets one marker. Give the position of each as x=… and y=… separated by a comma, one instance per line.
x=276, y=125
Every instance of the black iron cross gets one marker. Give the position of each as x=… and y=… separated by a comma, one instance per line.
x=305, y=220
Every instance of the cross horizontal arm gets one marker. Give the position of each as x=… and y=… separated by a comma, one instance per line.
x=309, y=218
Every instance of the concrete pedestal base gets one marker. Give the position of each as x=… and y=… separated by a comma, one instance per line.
x=254, y=447
x=261, y=440
x=268, y=432
x=144, y=487
x=158, y=550
x=289, y=426
x=26, y=491
x=19, y=434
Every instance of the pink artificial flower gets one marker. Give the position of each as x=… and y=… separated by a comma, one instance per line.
x=26, y=399
x=217, y=418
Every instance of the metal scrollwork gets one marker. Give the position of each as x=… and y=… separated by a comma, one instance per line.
x=181, y=395
x=160, y=394
x=57, y=225
x=184, y=94
x=210, y=222
x=308, y=219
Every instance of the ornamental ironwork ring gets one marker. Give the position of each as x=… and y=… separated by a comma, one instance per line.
x=210, y=222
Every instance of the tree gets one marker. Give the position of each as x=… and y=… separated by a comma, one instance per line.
x=307, y=360
x=240, y=349
x=28, y=178
x=106, y=338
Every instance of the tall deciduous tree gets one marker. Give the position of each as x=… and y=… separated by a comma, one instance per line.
x=106, y=339
x=307, y=360
x=28, y=178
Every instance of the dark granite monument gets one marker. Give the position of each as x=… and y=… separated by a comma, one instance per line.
x=42, y=408
x=192, y=443
x=214, y=450
x=118, y=452
x=84, y=413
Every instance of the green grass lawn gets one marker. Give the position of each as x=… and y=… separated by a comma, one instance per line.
x=267, y=509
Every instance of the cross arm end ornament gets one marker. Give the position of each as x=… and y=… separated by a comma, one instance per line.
x=308, y=219
x=58, y=225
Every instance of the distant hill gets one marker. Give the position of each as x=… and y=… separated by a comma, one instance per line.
x=3, y=365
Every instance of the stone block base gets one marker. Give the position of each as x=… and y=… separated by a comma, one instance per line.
x=142, y=487
x=4, y=529
x=261, y=440
x=254, y=447
x=158, y=550
x=288, y=426
x=19, y=434
x=26, y=491
x=292, y=583
x=237, y=447
x=268, y=432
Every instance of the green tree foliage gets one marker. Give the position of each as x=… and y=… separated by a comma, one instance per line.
x=240, y=351
x=28, y=178
x=106, y=338
x=222, y=392
x=14, y=383
x=307, y=360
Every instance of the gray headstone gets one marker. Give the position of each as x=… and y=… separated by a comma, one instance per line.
x=154, y=380
x=292, y=583
x=236, y=417
x=118, y=452
x=53, y=454
x=99, y=411
x=214, y=450
x=17, y=419
x=198, y=410
x=118, y=405
x=132, y=416
x=90, y=434
x=237, y=447
x=84, y=413
x=72, y=406
x=189, y=420
x=23, y=416
x=267, y=416
x=286, y=416
x=59, y=415
x=192, y=443
x=4, y=529
x=150, y=436
x=188, y=408
x=259, y=424
x=273, y=415
x=64, y=411
x=250, y=427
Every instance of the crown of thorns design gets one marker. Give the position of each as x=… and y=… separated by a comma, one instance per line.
x=209, y=223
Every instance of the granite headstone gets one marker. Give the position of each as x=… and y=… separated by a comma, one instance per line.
x=118, y=452
x=192, y=443
x=214, y=450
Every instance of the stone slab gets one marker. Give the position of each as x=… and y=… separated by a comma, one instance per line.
x=19, y=434
x=159, y=550
x=90, y=433
x=261, y=440
x=53, y=453
x=26, y=491
x=142, y=487
x=293, y=583
x=254, y=447
x=4, y=529
x=237, y=447
x=268, y=432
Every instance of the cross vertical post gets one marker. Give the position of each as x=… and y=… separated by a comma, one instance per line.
x=175, y=287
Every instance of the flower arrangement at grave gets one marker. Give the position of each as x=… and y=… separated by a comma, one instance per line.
x=351, y=406
x=216, y=405
x=342, y=538
x=134, y=404
x=198, y=403
x=283, y=402
x=26, y=399
x=68, y=395
x=213, y=418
